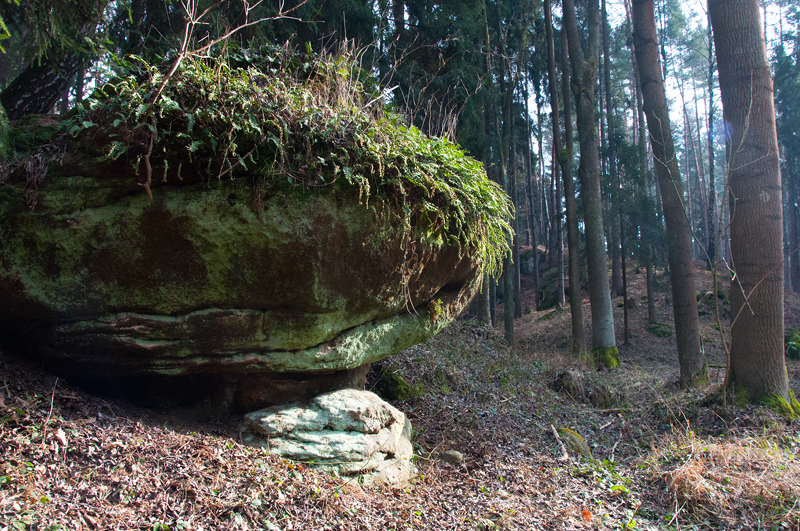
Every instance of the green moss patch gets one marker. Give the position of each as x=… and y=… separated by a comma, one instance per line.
x=575, y=442
x=286, y=118
x=392, y=386
x=660, y=330
x=779, y=405
x=607, y=356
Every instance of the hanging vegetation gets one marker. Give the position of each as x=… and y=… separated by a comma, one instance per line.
x=295, y=119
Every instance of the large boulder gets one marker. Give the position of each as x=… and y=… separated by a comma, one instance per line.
x=137, y=257
x=107, y=285
x=352, y=432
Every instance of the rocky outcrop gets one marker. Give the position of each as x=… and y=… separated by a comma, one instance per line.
x=352, y=432
x=211, y=284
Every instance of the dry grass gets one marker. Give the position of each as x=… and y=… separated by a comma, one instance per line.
x=729, y=482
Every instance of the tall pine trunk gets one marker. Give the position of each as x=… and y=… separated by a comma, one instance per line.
x=758, y=369
x=564, y=155
x=713, y=223
x=791, y=221
x=693, y=367
x=531, y=196
x=584, y=81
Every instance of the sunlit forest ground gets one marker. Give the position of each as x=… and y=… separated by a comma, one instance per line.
x=654, y=456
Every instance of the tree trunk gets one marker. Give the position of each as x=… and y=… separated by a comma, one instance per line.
x=611, y=166
x=399, y=19
x=483, y=302
x=794, y=239
x=37, y=88
x=584, y=80
x=565, y=159
x=493, y=300
x=699, y=162
x=693, y=367
x=502, y=142
x=713, y=223
x=515, y=226
x=532, y=213
x=543, y=209
x=757, y=357
x=551, y=245
x=79, y=80
x=651, y=296
x=626, y=329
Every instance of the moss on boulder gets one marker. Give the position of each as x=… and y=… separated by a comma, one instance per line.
x=317, y=237
x=393, y=386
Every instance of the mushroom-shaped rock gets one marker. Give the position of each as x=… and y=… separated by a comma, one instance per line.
x=248, y=251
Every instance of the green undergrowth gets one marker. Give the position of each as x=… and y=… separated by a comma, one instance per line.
x=660, y=330
x=288, y=118
x=791, y=343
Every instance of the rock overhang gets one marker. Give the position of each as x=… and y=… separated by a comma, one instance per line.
x=249, y=277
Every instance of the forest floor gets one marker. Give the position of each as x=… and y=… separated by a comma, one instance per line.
x=663, y=458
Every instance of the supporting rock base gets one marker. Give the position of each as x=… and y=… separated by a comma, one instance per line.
x=349, y=431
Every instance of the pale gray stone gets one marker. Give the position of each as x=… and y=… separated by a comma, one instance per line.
x=350, y=431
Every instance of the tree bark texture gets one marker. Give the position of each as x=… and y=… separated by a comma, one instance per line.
x=37, y=88
x=584, y=80
x=794, y=239
x=611, y=166
x=712, y=187
x=693, y=367
x=565, y=159
x=756, y=240
x=532, y=211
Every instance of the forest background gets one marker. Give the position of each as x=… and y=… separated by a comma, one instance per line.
x=538, y=93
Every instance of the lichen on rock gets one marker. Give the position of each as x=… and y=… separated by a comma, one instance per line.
x=351, y=432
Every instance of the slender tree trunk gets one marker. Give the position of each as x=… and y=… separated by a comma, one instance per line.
x=611, y=165
x=37, y=89
x=693, y=367
x=551, y=255
x=515, y=226
x=565, y=160
x=651, y=296
x=702, y=173
x=758, y=369
x=502, y=140
x=713, y=223
x=542, y=194
x=559, y=243
x=532, y=213
x=584, y=80
x=791, y=221
x=484, y=304
x=493, y=300
x=687, y=166
x=79, y=78
x=626, y=329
